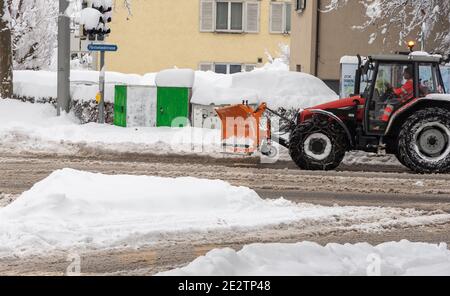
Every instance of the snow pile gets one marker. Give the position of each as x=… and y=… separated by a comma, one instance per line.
x=84, y=84
x=361, y=157
x=277, y=88
x=309, y=259
x=284, y=89
x=75, y=209
x=36, y=128
x=277, y=64
x=213, y=88
x=175, y=78
x=14, y=113
x=272, y=84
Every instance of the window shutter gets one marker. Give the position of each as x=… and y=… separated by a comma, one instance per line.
x=206, y=16
x=252, y=17
x=206, y=67
x=276, y=18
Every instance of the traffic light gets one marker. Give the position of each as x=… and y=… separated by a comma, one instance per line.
x=96, y=15
x=105, y=8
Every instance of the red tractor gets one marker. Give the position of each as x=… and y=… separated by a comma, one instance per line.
x=399, y=108
x=402, y=111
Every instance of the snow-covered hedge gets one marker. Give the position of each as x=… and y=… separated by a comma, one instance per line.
x=278, y=88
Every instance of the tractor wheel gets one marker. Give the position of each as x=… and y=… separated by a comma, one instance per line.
x=318, y=144
x=400, y=158
x=424, y=141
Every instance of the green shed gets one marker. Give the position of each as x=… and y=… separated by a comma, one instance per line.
x=174, y=90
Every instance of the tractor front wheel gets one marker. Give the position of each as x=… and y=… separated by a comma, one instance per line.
x=424, y=141
x=318, y=144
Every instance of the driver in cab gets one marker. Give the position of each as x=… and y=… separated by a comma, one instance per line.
x=402, y=94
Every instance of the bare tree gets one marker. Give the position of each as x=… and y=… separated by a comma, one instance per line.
x=407, y=16
x=6, y=74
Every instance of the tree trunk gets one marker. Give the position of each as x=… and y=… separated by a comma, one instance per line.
x=6, y=73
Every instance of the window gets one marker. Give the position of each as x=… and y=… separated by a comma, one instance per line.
x=428, y=80
x=300, y=5
x=280, y=17
x=229, y=16
x=445, y=73
x=206, y=67
x=224, y=68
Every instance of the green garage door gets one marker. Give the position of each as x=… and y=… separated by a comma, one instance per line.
x=173, y=103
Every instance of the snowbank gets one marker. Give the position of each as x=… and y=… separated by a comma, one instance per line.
x=84, y=84
x=175, y=78
x=36, y=128
x=277, y=88
x=309, y=259
x=286, y=89
x=273, y=85
x=75, y=209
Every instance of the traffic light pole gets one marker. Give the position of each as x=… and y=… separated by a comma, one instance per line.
x=63, y=92
x=101, y=81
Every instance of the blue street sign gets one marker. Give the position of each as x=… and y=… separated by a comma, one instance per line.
x=102, y=47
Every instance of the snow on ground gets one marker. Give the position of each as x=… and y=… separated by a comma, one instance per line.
x=77, y=210
x=34, y=128
x=310, y=259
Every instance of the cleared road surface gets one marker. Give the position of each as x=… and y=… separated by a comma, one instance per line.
x=359, y=185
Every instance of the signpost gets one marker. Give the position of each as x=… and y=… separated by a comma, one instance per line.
x=102, y=48
x=63, y=88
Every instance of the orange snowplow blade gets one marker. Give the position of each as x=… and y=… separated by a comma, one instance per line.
x=241, y=128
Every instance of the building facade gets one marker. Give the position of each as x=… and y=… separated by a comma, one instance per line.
x=225, y=36
x=319, y=39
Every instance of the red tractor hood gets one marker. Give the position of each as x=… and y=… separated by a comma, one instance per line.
x=336, y=106
x=339, y=104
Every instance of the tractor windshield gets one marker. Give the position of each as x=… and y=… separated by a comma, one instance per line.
x=393, y=86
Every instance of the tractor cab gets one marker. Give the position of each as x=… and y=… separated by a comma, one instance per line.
x=393, y=82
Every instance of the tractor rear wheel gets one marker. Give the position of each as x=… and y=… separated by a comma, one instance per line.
x=318, y=144
x=424, y=141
